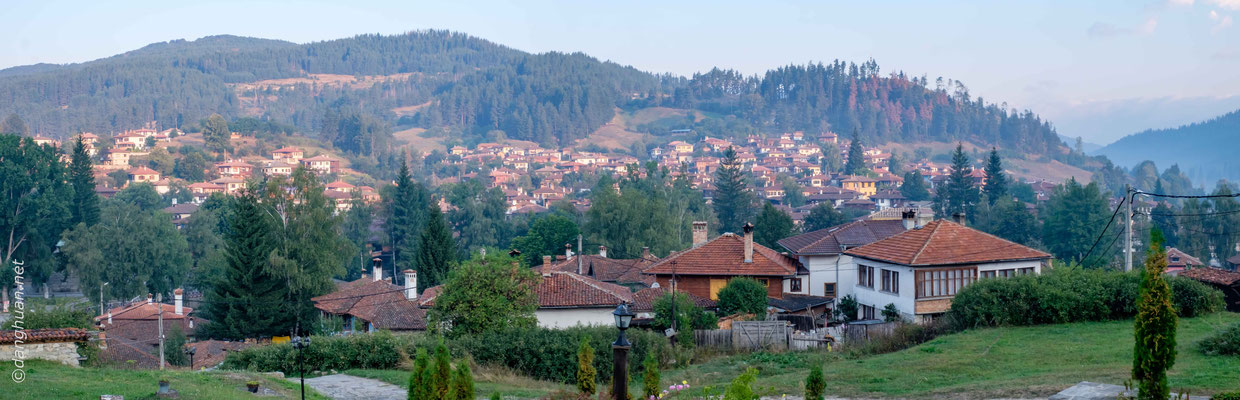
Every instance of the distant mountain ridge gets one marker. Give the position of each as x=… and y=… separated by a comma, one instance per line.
x=474, y=88
x=1206, y=151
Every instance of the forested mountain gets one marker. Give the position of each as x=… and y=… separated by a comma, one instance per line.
x=1205, y=151
x=469, y=87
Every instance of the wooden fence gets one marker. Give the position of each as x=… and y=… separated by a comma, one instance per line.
x=864, y=332
x=779, y=335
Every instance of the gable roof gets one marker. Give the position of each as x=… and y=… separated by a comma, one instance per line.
x=379, y=302
x=944, y=242
x=725, y=255
x=1184, y=258
x=145, y=311
x=1215, y=276
x=569, y=290
x=644, y=299
x=607, y=269
x=833, y=240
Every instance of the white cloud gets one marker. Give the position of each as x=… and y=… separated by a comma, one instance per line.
x=1222, y=21
x=1181, y=2
x=1228, y=4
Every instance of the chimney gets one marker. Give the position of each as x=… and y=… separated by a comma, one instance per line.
x=178, y=306
x=958, y=218
x=568, y=251
x=191, y=322
x=909, y=217
x=109, y=318
x=645, y=251
x=546, y=260
x=411, y=284
x=602, y=251
x=748, y=242
x=377, y=268
x=148, y=298
x=699, y=233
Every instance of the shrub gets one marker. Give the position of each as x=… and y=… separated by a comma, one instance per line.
x=60, y=316
x=1223, y=343
x=496, y=396
x=586, y=374
x=650, y=376
x=696, y=317
x=741, y=388
x=462, y=383
x=550, y=354
x=891, y=313
x=417, y=385
x=380, y=350
x=1226, y=396
x=904, y=335
x=848, y=309
x=1070, y=294
x=815, y=383
x=1155, y=326
x=442, y=375
x=743, y=296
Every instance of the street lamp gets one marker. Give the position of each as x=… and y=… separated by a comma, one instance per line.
x=300, y=343
x=101, y=310
x=190, y=350
x=620, y=349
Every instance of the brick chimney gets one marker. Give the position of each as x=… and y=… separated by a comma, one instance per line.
x=958, y=218
x=645, y=251
x=178, y=306
x=411, y=284
x=748, y=242
x=699, y=233
x=602, y=251
x=546, y=260
x=148, y=298
x=909, y=217
x=377, y=268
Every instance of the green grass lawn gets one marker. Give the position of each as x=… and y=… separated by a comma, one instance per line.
x=47, y=380
x=486, y=381
x=998, y=362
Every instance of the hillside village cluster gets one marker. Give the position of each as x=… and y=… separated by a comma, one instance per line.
x=899, y=255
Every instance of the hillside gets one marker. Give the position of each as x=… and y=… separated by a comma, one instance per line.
x=467, y=89
x=1205, y=151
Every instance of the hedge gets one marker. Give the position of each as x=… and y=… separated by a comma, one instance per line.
x=1225, y=343
x=549, y=354
x=1070, y=294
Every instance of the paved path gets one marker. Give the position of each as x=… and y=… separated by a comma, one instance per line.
x=347, y=387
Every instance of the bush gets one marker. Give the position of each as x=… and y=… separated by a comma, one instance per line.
x=815, y=383
x=380, y=350
x=441, y=375
x=55, y=318
x=650, y=376
x=417, y=382
x=1226, y=396
x=462, y=383
x=848, y=309
x=1223, y=343
x=741, y=388
x=550, y=354
x=1069, y=294
x=743, y=296
x=904, y=335
x=891, y=313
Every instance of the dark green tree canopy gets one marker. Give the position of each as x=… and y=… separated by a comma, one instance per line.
x=743, y=295
x=823, y=216
x=733, y=200
x=996, y=181
x=772, y=225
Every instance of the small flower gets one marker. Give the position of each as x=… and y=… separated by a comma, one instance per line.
x=684, y=382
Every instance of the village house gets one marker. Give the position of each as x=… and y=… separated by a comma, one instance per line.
x=620, y=271
x=566, y=299
x=705, y=268
x=860, y=184
x=1226, y=281
x=288, y=154
x=822, y=252
x=321, y=164
x=1179, y=261
x=236, y=168
x=372, y=303
x=143, y=175
x=131, y=333
x=274, y=168
x=921, y=269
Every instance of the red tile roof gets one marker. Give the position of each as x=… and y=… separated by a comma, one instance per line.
x=569, y=290
x=608, y=269
x=46, y=335
x=1177, y=258
x=379, y=302
x=643, y=300
x=725, y=255
x=832, y=240
x=145, y=311
x=1213, y=275
x=945, y=243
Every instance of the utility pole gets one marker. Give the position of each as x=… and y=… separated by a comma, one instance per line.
x=1132, y=195
x=159, y=299
x=101, y=310
x=581, y=251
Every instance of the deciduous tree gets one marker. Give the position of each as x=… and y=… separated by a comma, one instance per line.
x=486, y=293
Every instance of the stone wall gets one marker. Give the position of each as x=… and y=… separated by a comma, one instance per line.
x=62, y=352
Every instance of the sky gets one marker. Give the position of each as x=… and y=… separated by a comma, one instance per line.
x=1096, y=69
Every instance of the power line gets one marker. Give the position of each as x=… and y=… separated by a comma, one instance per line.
x=1184, y=196
x=1104, y=229
x=1205, y=214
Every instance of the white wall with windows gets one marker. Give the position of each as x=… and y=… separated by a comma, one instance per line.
x=877, y=284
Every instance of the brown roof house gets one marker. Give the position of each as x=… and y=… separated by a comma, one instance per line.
x=131, y=333
x=705, y=268
x=1221, y=279
x=921, y=269
x=1178, y=261
x=566, y=299
x=373, y=303
x=822, y=252
x=620, y=271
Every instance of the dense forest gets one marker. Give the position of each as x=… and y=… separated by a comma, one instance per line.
x=1205, y=151
x=473, y=88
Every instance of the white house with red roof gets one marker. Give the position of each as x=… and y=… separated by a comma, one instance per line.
x=289, y=154
x=143, y=175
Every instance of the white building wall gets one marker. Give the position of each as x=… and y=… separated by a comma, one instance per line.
x=906, y=299
x=556, y=318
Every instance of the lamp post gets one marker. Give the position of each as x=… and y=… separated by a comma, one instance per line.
x=301, y=343
x=620, y=349
x=190, y=350
x=101, y=310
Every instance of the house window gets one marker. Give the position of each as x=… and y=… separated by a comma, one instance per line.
x=796, y=284
x=943, y=282
x=1175, y=259
x=891, y=281
x=828, y=290
x=763, y=282
x=1024, y=271
x=867, y=312
x=988, y=274
x=865, y=276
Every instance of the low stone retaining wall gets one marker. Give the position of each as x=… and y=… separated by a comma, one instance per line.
x=59, y=345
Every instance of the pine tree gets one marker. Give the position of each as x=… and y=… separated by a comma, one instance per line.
x=462, y=383
x=417, y=381
x=406, y=215
x=958, y=194
x=436, y=250
x=247, y=301
x=733, y=201
x=1154, y=350
x=856, y=156
x=996, y=180
x=441, y=375
x=586, y=375
x=914, y=187
x=85, y=201
x=815, y=383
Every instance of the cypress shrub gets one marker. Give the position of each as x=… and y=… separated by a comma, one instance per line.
x=441, y=378
x=741, y=388
x=462, y=383
x=815, y=383
x=1155, y=326
x=586, y=374
x=650, y=376
x=417, y=385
